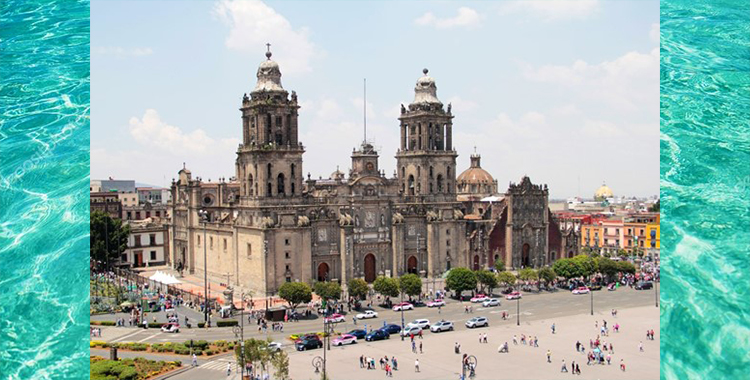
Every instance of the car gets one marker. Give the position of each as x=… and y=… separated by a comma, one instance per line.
x=423, y=323
x=403, y=306
x=442, y=326
x=491, y=302
x=581, y=290
x=335, y=318
x=360, y=334
x=436, y=303
x=367, y=314
x=379, y=334
x=477, y=322
x=479, y=298
x=274, y=347
x=170, y=328
x=308, y=342
x=411, y=330
x=392, y=329
x=344, y=339
x=513, y=296
x=595, y=287
x=643, y=285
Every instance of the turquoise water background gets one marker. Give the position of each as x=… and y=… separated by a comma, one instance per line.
x=705, y=187
x=44, y=175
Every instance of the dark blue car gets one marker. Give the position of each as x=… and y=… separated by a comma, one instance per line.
x=377, y=335
x=360, y=334
x=392, y=329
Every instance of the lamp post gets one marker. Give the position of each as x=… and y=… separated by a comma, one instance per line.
x=401, y=294
x=518, y=311
x=656, y=293
x=203, y=214
x=592, y=300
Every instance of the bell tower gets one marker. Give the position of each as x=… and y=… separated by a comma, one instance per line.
x=426, y=161
x=269, y=160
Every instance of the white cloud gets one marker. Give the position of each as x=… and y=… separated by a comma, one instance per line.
x=152, y=132
x=460, y=105
x=654, y=32
x=120, y=52
x=253, y=24
x=357, y=104
x=466, y=17
x=551, y=10
x=601, y=128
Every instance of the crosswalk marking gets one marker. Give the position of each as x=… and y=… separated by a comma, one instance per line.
x=218, y=365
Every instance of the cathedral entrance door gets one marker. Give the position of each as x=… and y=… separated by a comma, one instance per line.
x=411, y=265
x=370, y=268
x=476, y=262
x=525, y=261
x=322, y=272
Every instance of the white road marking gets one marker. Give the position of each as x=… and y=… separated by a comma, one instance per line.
x=217, y=365
x=126, y=336
x=152, y=336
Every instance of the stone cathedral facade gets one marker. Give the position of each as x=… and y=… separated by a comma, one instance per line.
x=270, y=224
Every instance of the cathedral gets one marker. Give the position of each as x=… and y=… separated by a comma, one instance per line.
x=269, y=224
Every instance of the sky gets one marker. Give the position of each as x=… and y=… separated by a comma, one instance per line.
x=564, y=91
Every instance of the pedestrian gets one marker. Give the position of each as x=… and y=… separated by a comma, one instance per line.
x=195, y=361
x=420, y=334
x=515, y=340
x=416, y=365
x=229, y=369
x=480, y=337
x=622, y=365
x=609, y=358
x=553, y=328
x=485, y=338
x=612, y=350
x=573, y=367
x=578, y=346
x=578, y=369
x=395, y=363
x=412, y=337
x=640, y=346
x=361, y=361
x=564, y=367
x=413, y=347
x=457, y=348
x=420, y=347
x=549, y=356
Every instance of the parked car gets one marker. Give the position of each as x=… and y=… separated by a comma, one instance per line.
x=170, y=328
x=479, y=298
x=477, y=322
x=423, y=323
x=411, y=330
x=612, y=286
x=513, y=295
x=345, y=339
x=367, y=314
x=360, y=334
x=595, y=287
x=309, y=342
x=377, y=335
x=436, y=303
x=491, y=302
x=335, y=318
x=274, y=347
x=442, y=326
x=392, y=329
x=403, y=306
x=643, y=285
x=581, y=290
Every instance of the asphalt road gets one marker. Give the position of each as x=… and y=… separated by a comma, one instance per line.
x=532, y=307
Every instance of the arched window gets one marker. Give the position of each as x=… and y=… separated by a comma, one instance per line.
x=430, y=171
x=292, y=187
x=268, y=170
x=292, y=171
x=440, y=183
x=419, y=188
x=269, y=189
x=403, y=172
x=430, y=187
x=250, y=183
x=419, y=171
x=280, y=184
x=268, y=128
x=411, y=185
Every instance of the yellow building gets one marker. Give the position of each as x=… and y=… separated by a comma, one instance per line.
x=652, y=235
x=635, y=235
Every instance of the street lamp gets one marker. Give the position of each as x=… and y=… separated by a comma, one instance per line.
x=401, y=294
x=203, y=214
x=592, y=300
x=518, y=311
x=656, y=293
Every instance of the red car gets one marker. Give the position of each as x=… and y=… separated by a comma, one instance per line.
x=335, y=318
x=513, y=295
x=403, y=306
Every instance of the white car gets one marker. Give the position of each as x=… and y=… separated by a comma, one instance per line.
x=479, y=298
x=411, y=330
x=367, y=314
x=442, y=326
x=491, y=302
x=477, y=322
x=513, y=296
x=422, y=323
x=436, y=303
x=274, y=347
x=403, y=306
x=335, y=318
x=581, y=290
x=170, y=328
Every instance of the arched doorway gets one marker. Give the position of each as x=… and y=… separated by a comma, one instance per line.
x=411, y=265
x=370, y=267
x=552, y=257
x=570, y=253
x=525, y=260
x=476, y=262
x=322, y=272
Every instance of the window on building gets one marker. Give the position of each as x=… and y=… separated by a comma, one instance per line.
x=158, y=214
x=628, y=231
x=249, y=250
x=138, y=215
x=448, y=243
x=286, y=241
x=287, y=267
x=225, y=245
x=129, y=216
x=287, y=255
x=153, y=255
x=641, y=243
x=448, y=232
x=617, y=231
x=124, y=257
x=148, y=214
x=199, y=240
x=288, y=279
x=617, y=242
x=152, y=239
x=211, y=242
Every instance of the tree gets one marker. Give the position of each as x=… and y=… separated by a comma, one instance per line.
x=256, y=350
x=358, y=288
x=460, y=279
x=499, y=265
x=410, y=284
x=587, y=265
x=506, y=278
x=655, y=207
x=328, y=290
x=528, y=274
x=295, y=293
x=607, y=267
x=386, y=286
x=107, y=233
x=567, y=268
x=487, y=279
x=547, y=275
x=280, y=361
x=586, y=251
x=625, y=267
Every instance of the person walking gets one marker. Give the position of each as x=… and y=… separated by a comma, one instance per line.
x=195, y=361
x=549, y=356
x=485, y=338
x=578, y=369
x=229, y=369
x=420, y=347
x=361, y=361
x=416, y=365
x=609, y=359
x=573, y=367
x=515, y=340
x=640, y=346
x=553, y=328
x=413, y=347
x=564, y=367
x=622, y=365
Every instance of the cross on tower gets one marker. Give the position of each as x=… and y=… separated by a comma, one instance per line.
x=268, y=46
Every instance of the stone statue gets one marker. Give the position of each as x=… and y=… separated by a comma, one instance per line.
x=449, y=108
x=294, y=96
x=403, y=109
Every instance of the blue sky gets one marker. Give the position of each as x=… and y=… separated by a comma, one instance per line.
x=566, y=92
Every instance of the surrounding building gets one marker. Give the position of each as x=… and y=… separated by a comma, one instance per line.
x=148, y=243
x=153, y=195
x=271, y=225
x=107, y=202
x=128, y=199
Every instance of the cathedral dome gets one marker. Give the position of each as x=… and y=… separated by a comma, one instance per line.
x=603, y=192
x=269, y=75
x=476, y=180
x=426, y=91
x=338, y=174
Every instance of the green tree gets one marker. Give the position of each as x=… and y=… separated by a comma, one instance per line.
x=107, y=233
x=295, y=293
x=655, y=207
x=607, y=267
x=587, y=265
x=547, y=275
x=625, y=267
x=506, y=278
x=256, y=350
x=567, y=268
x=586, y=250
x=460, y=279
x=280, y=362
x=328, y=290
x=499, y=265
x=622, y=253
x=386, y=286
x=358, y=288
x=528, y=274
x=410, y=284
x=486, y=279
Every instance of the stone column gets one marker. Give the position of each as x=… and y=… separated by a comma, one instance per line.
x=397, y=249
x=432, y=245
x=344, y=254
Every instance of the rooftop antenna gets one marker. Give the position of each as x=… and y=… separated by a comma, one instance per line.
x=365, y=109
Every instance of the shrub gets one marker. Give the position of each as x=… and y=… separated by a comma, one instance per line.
x=226, y=323
x=97, y=343
x=220, y=343
x=209, y=352
x=155, y=325
x=201, y=325
x=102, y=323
x=201, y=344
